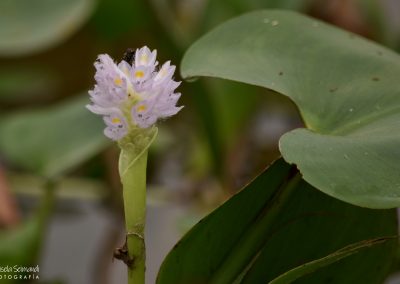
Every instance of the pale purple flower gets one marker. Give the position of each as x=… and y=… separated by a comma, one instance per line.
x=143, y=113
x=164, y=74
x=133, y=95
x=117, y=127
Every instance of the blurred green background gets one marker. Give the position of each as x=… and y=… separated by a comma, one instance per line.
x=49, y=142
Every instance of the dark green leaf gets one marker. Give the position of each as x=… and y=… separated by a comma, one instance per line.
x=309, y=267
x=346, y=89
x=276, y=223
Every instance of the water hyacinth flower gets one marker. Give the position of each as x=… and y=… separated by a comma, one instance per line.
x=131, y=95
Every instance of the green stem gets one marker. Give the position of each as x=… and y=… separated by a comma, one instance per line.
x=241, y=255
x=134, y=191
x=132, y=169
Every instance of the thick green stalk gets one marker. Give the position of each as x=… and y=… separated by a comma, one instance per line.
x=134, y=191
x=132, y=169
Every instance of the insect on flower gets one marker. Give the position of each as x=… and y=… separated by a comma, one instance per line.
x=134, y=93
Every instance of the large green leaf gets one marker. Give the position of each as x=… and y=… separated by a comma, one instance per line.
x=279, y=222
x=346, y=88
x=31, y=26
x=219, y=11
x=223, y=108
x=52, y=140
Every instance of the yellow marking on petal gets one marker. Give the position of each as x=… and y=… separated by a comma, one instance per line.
x=139, y=74
x=143, y=58
x=141, y=108
x=116, y=120
x=118, y=81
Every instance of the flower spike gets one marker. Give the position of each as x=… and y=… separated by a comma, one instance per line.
x=133, y=93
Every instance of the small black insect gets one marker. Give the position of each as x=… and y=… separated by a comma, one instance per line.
x=129, y=55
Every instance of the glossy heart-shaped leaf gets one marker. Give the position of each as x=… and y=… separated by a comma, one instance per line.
x=345, y=87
